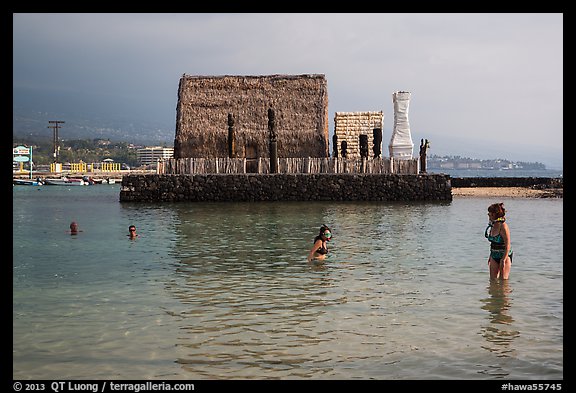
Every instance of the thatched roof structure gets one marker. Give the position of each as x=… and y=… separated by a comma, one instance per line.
x=300, y=104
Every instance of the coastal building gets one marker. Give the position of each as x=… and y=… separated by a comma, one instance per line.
x=351, y=127
x=401, y=145
x=227, y=116
x=150, y=155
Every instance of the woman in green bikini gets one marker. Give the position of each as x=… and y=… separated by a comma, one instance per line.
x=498, y=233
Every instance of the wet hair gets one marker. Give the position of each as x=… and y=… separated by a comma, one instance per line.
x=132, y=226
x=73, y=224
x=497, y=209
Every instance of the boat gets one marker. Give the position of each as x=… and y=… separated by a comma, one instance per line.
x=26, y=182
x=64, y=181
x=107, y=180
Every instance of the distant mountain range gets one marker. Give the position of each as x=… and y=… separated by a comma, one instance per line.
x=35, y=125
x=31, y=124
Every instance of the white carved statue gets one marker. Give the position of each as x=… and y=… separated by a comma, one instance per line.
x=401, y=145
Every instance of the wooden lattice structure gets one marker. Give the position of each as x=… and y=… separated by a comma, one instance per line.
x=349, y=127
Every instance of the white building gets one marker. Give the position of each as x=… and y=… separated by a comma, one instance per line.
x=151, y=155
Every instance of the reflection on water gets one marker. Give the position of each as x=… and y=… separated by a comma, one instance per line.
x=500, y=331
x=498, y=304
x=224, y=290
x=251, y=306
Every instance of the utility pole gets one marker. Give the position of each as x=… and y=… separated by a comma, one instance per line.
x=56, y=144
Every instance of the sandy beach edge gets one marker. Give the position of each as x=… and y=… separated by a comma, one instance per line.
x=507, y=192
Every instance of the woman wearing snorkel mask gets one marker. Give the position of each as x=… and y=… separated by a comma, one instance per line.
x=320, y=249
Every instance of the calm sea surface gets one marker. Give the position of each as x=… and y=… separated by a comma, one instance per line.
x=224, y=291
x=554, y=173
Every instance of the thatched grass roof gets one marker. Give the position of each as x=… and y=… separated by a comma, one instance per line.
x=300, y=103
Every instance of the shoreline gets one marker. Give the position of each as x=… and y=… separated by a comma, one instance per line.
x=506, y=192
x=485, y=189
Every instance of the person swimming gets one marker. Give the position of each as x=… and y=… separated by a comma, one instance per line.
x=74, y=228
x=132, y=232
x=320, y=248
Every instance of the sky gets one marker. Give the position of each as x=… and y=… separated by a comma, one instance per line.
x=483, y=85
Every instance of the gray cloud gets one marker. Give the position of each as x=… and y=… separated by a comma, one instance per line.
x=480, y=77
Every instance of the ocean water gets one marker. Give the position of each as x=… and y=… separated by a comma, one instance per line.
x=224, y=290
x=553, y=173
